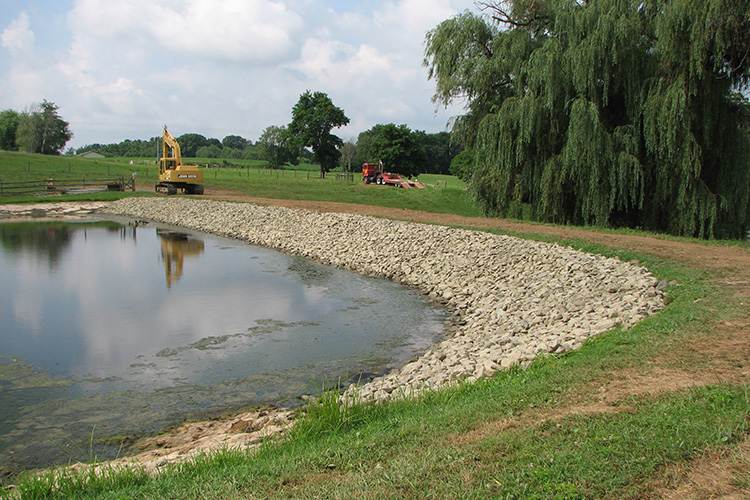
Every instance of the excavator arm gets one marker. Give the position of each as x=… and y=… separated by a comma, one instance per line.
x=171, y=155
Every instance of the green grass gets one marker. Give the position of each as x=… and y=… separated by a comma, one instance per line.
x=272, y=184
x=303, y=183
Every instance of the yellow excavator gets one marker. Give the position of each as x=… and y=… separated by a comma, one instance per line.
x=173, y=175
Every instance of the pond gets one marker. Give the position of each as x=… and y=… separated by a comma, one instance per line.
x=110, y=331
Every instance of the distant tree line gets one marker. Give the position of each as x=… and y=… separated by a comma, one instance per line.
x=401, y=150
x=39, y=129
x=192, y=145
x=308, y=137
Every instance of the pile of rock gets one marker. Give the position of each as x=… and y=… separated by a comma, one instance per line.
x=50, y=210
x=513, y=299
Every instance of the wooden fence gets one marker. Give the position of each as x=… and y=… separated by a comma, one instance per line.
x=65, y=186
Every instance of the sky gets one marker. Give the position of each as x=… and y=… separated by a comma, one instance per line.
x=122, y=69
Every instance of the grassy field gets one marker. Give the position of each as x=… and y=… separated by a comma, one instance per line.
x=555, y=430
x=249, y=178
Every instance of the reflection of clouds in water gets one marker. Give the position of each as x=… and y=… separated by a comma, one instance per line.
x=31, y=290
x=27, y=310
x=31, y=266
x=179, y=316
x=243, y=325
x=121, y=312
x=114, y=309
x=169, y=320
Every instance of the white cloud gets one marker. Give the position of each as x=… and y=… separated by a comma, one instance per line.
x=120, y=70
x=409, y=20
x=18, y=37
x=337, y=64
x=255, y=31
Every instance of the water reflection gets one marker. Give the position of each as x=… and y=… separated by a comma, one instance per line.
x=175, y=247
x=48, y=244
x=90, y=336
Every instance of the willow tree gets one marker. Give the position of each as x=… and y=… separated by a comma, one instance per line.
x=605, y=112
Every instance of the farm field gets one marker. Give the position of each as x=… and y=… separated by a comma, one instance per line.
x=658, y=411
x=247, y=177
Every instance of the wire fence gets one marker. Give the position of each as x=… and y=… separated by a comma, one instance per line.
x=67, y=186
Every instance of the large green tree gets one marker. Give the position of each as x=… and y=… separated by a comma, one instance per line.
x=439, y=151
x=274, y=146
x=606, y=112
x=191, y=143
x=235, y=142
x=405, y=151
x=42, y=130
x=313, y=118
x=398, y=148
x=363, y=153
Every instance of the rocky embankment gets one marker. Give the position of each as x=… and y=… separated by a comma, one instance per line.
x=49, y=210
x=513, y=299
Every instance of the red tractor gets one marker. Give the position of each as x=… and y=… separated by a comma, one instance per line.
x=373, y=173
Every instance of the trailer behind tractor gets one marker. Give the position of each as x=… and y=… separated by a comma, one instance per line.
x=372, y=173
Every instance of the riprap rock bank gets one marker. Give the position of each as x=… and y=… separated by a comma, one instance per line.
x=514, y=299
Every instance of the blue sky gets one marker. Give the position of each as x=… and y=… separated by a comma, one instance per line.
x=122, y=69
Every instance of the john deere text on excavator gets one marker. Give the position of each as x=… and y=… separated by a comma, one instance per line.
x=173, y=175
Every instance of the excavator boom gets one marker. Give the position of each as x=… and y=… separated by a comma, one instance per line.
x=171, y=155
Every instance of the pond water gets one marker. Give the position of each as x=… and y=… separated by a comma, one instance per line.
x=112, y=331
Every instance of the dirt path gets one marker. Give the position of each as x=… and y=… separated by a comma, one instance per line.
x=730, y=259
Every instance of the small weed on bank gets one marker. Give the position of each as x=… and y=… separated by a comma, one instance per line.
x=326, y=414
